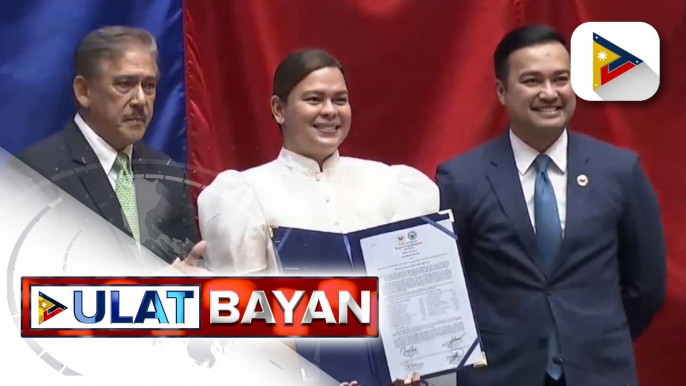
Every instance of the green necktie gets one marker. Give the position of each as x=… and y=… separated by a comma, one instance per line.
x=126, y=194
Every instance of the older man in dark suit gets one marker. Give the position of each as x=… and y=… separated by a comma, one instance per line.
x=561, y=234
x=139, y=190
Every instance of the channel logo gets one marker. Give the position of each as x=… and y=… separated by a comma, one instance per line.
x=615, y=61
x=48, y=307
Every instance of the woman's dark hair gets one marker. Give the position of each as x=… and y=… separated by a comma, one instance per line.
x=297, y=66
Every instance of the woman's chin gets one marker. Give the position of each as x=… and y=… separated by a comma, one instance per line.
x=329, y=141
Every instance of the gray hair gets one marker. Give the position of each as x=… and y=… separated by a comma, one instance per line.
x=109, y=43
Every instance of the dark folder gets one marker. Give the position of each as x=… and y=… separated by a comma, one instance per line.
x=308, y=252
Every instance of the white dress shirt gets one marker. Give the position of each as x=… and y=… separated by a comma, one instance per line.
x=349, y=194
x=105, y=153
x=557, y=173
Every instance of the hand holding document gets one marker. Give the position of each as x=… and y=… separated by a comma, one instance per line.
x=425, y=316
x=426, y=321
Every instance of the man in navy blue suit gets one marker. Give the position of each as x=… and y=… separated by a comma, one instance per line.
x=560, y=233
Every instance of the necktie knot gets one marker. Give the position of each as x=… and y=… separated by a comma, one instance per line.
x=121, y=163
x=542, y=162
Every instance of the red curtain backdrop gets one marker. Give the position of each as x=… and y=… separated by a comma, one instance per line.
x=422, y=90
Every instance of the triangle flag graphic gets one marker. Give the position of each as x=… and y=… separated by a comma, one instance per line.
x=48, y=307
x=610, y=61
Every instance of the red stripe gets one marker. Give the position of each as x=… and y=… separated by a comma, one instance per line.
x=606, y=76
x=47, y=315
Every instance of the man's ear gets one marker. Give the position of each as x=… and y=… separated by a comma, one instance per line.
x=500, y=90
x=81, y=91
x=277, y=109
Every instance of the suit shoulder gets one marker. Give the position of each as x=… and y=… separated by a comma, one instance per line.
x=147, y=155
x=469, y=157
x=607, y=151
x=51, y=143
x=144, y=151
x=468, y=163
x=48, y=148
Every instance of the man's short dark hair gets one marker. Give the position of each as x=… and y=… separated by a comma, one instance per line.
x=106, y=44
x=526, y=36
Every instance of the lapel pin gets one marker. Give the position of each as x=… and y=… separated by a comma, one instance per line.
x=582, y=180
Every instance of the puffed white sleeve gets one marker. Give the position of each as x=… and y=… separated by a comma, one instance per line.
x=233, y=224
x=413, y=194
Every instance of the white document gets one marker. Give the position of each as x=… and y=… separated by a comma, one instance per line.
x=425, y=317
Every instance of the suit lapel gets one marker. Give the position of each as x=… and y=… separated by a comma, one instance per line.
x=577, y=165
x=504, y=178
x=93, y=177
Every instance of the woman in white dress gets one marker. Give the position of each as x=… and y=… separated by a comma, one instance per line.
x=309, y=185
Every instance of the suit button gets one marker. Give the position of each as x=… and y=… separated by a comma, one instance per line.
x=548, y=292
x=558, y=360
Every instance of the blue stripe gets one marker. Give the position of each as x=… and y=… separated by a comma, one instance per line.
x=623, y=55
x=283, y=240
x=440, y=227
x=347, y=249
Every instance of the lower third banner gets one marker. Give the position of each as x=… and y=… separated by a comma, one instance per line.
x=200, y=306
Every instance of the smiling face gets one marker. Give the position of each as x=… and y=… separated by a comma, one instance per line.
x=537, y=92
x=315, y=118
x=118, y=101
